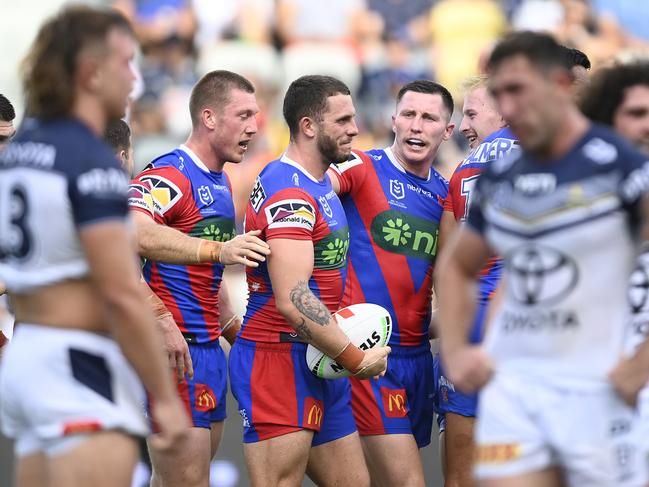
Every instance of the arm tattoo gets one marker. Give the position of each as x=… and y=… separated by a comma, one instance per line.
x=303, y=331
x=307, y=304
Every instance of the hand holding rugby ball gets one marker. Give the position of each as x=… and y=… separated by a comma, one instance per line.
x=367, y=326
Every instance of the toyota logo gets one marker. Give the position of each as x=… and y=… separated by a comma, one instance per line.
x=540, y=274
x=638, y=289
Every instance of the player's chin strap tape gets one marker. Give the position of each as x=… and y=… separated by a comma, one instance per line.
x=350, y=357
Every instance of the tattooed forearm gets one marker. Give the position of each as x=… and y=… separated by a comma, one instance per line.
x=303, y=331
x=307, y=304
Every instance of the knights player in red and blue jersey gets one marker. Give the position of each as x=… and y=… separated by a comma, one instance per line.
x=290, y=416
x=489, y=140
x=393, y=201
x=187, y=239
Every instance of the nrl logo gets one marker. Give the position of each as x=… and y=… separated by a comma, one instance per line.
x=396, y=189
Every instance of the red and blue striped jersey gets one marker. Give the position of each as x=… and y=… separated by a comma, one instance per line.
x=287, y=202
x=189, y=197
x=394, y=222
x=494, y=146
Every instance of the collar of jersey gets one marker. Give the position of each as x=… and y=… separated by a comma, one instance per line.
x=395, y=163
x=195, y=159
x=287, y=160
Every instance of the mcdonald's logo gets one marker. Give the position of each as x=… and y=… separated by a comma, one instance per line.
x=394, y=402
x=313, y=413
x=204, y=398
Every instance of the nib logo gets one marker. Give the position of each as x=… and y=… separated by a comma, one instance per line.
x=335, y=251
x=404, y=234
x=397, y=232
x=217, y=229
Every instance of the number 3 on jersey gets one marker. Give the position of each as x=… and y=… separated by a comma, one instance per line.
x=467, y=185
x=15, y=239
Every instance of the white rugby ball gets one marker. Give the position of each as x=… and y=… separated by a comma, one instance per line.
x=367, y=325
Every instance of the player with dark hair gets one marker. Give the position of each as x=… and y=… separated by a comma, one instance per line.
x=579, y=65
x=557, y=337
x=287, y=411
x=67, y=260
x=184, y=194
x=393, y=200
x=7, y=115
x=118, y=136
x=489, y=139
x=619, y=97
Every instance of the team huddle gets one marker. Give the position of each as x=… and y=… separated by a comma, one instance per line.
x=530, y=265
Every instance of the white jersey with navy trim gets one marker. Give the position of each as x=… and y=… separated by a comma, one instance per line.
x=55, y=176
x=566, y=231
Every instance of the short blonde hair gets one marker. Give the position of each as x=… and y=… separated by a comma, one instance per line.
x=472, y=83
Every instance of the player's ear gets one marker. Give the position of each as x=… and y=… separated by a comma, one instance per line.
x=208, y=117
x=394, y=128
x=308, y=127
x=449, y=131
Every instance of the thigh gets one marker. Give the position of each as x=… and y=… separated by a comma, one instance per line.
x=104, y=459
x=187, y=463
x=548, y=477
x=216, y=433
x=278, y=461
x=31, y=470
x=393, y=460
x=458, y=450
x=339, y=463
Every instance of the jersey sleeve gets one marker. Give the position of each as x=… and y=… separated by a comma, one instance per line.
x=97, y=188
x=160, y=192
x=290, y=213
x=351, y=173
x=475, y=218
x=452, y=190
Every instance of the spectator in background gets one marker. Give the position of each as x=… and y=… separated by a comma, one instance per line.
x=579, y=65
x=461, y=30
x=7, y=115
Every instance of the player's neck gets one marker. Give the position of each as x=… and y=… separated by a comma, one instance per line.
x=571, y=129
x=205, y=152
x=309, y=158
x=90, y=112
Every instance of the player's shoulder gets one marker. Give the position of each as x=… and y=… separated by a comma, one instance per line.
x=63, y=145
x=603, y=146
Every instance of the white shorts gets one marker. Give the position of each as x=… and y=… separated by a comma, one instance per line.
x=58, y=384
x=592, y=436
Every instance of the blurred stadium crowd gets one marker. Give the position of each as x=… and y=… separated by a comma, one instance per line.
x=375, y=46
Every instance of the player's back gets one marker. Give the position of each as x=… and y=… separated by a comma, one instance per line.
x=54, y=177
x=287, y=202
x=394, y=218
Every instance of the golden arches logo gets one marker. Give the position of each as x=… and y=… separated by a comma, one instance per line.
x=396, y=402
x=205, y=400
x=315, y=415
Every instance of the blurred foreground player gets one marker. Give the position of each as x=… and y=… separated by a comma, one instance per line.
x=65, y=256
x=489, y=140
x=393, y=201
x=290, y=415
x=559, y=332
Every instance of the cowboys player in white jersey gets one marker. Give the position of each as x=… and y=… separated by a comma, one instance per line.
x=564, y=214
x=69, y=389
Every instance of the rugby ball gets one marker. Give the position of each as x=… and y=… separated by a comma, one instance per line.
x=367, y=325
